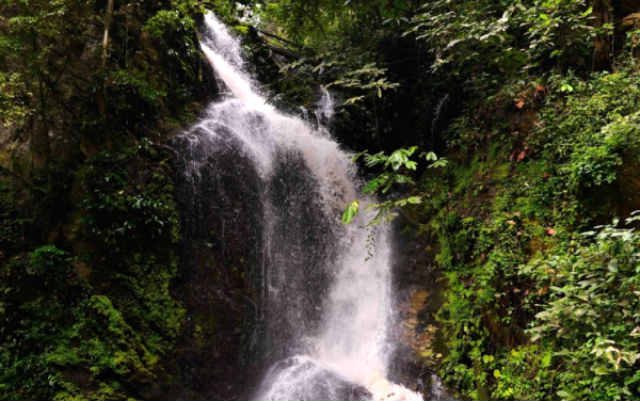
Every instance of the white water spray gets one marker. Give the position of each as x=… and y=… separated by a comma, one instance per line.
x=348, y=346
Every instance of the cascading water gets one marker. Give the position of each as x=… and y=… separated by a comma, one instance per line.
x=326, y=300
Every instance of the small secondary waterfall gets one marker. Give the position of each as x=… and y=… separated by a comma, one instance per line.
x=326, y=301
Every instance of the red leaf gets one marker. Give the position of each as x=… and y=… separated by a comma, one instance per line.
x=522, y=155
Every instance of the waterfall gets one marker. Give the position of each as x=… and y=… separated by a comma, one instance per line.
x=326, y=299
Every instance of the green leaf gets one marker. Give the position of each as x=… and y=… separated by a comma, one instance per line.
x=358, y=155
x=439, y=164
x=350, y=212
x=373, y=185
x=430, y=156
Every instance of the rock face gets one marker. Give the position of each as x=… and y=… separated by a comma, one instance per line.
x=418, y=287
x=219, y=199
x=235, y=327
x=300, y=238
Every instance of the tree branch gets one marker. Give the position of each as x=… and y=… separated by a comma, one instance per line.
x=105, y=37
x=283, y=51
x=278, y=38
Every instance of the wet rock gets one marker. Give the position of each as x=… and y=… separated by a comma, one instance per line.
x=219, y=193
x=303, y=379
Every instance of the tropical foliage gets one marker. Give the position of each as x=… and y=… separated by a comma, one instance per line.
x=502, y=135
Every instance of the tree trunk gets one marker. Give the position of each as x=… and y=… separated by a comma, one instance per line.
x=108, y=15
x=102, y=95
x=39, y=141
x=40, y=144
x=603, y=43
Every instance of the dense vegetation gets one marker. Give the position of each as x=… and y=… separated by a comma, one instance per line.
x=504, y=134
x=541, y=147
x=90, y=229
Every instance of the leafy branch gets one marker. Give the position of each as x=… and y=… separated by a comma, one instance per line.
x=397, y=170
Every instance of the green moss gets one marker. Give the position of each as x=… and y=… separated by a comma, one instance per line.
x=505, y=214
x=88, y=244
x=90, y=337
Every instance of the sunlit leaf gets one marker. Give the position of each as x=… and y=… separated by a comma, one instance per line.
x=350, y=212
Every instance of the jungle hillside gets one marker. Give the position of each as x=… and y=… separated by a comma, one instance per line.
x=306, y=200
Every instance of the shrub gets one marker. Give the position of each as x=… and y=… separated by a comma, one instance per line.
x=591, y=319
